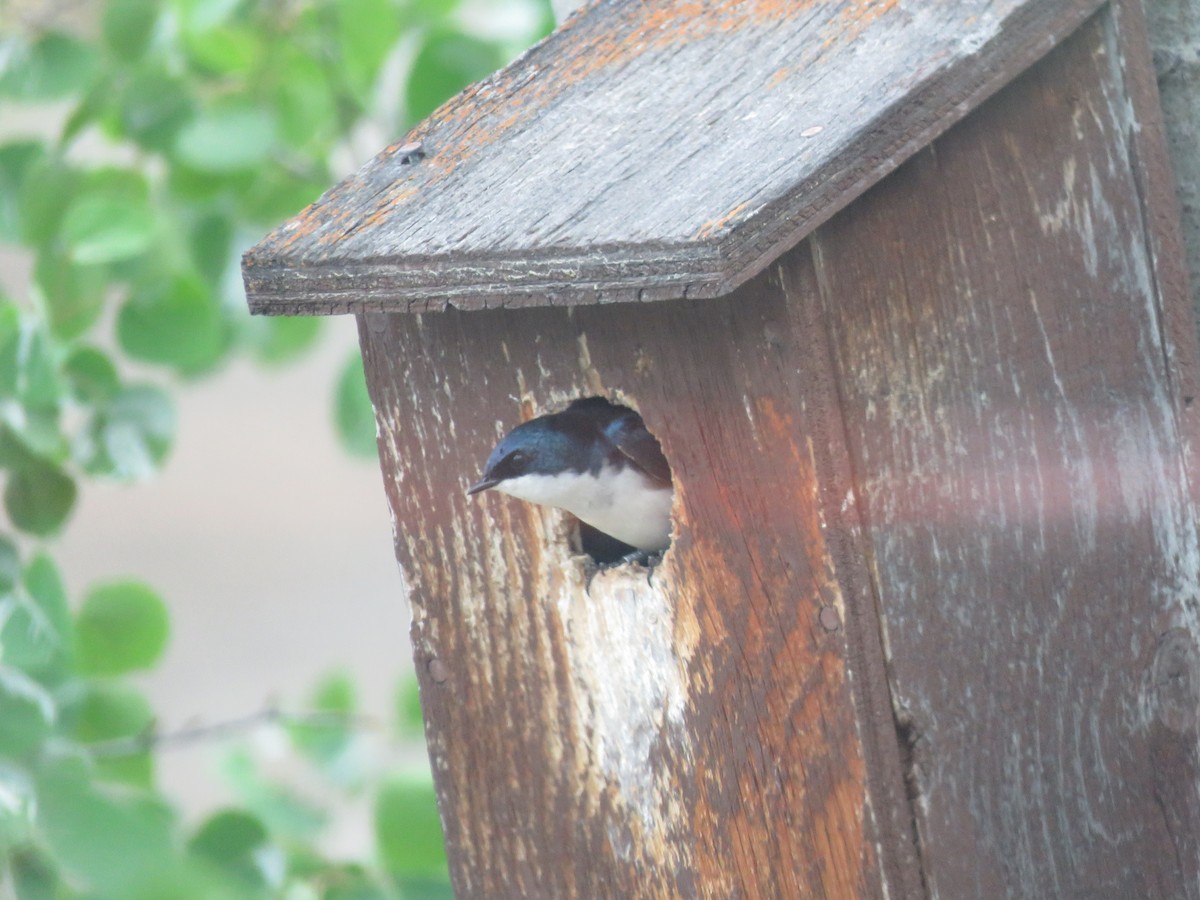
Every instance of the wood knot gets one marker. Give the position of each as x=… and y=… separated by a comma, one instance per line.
x=1176, y=680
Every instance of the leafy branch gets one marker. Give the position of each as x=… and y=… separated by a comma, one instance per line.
x=215, y=120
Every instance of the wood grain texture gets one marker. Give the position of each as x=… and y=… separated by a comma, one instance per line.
x=697, y=736
x=1174, y=28
x=1010, y=361
x=650, y=151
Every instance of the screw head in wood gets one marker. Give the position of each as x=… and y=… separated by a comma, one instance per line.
x=829, y=618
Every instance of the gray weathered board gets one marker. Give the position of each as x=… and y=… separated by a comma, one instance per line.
x=646, y=153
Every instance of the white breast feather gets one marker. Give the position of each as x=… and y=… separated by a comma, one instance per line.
x=621, y=503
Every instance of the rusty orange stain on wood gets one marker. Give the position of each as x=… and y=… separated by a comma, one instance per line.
x=711, y=227
x=786, y=679
x=856, y=17
x=817, y=777
x=464, y=125
x=778, y=78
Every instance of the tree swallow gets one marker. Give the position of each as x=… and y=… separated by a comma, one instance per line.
x=597, y=461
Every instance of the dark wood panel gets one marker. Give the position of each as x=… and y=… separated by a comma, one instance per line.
x=997, y=320
x=697, y=736
x=649, y=151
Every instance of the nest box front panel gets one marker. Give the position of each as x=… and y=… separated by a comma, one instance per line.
x=688, y=733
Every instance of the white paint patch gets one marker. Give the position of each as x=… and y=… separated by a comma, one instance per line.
x=622, y=503
x=630, y=678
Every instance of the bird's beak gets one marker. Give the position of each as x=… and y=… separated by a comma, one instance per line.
x=482, y=485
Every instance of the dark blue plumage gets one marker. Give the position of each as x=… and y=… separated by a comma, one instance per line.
x=594, y=459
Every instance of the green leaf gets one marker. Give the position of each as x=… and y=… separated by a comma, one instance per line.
x=201, y=15
x=128, y=27
x=353, y=413
x=225, y=50
x=283, y=811
x=45, y=586
x=32, y=360
x=96, y=101
x=177, y=323
x=433, y=11
x=304, y=98
x=10, y=565
x=29, y=642
x=91, y=376
x=48, y=186
x=353, y=882
x=18, y=808
x=447, y=62
x=105, y=227
x=153, y=107
x=325, y=741
x=367, y=31
x=211, y=240
x=408, y=832
x=195, y=187
x=39, y=497
x=121, y=626
x=230, y=840
x=425, y=888
x=28, y=373
x=118, y=844
x=111, y=711
x=277, y=193
x=16, y=160
x=54, y=66
x=37, y=636
x=282, y=339
x=27, y=711
x=34, y=875
x=228, y=137
x=409, y=719
x=72, y=295
x=37, y=429
x=130, y=436
x=10, y=348
x=107, y=711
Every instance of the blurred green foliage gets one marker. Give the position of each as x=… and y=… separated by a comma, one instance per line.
x=215, y=120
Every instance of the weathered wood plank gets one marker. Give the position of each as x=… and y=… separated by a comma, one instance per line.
x=1018, y=443
x=1174, y=27
x=694, y=737
x=648, y=151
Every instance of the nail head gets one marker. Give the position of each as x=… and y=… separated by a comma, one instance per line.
x=411, y=153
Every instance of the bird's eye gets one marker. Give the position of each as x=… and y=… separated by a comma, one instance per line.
x=518, y=457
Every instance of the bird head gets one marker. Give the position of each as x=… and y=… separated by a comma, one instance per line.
x=530, y=450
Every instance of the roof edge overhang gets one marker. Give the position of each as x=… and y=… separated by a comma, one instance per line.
x=280, y=281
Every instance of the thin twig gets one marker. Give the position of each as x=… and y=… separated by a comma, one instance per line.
x=152, y=739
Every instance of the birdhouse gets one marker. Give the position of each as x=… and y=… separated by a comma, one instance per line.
x=898, y=287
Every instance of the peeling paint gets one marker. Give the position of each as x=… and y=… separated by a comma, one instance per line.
x=631, y=678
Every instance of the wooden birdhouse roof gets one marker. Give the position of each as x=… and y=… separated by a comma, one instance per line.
x=649, y=151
